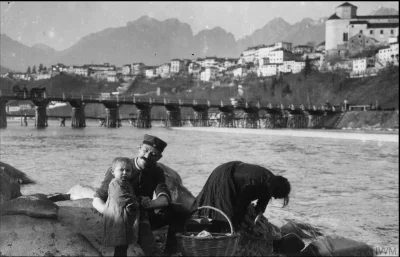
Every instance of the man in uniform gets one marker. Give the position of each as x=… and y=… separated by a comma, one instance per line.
x=149, y=179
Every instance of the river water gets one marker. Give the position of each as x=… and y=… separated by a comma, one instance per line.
x=342, y=183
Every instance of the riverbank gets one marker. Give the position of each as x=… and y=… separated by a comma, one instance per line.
x=385, y=136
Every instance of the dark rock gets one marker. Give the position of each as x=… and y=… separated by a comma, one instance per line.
x=26, y=236
x=9, y=187
x=337, y=246
x=304, y=231
x=81, y=217
x=32, y=205
x=56, y=197
x=290, y=244
x=10, y=181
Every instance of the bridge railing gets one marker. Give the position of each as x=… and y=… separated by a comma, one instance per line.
x=155, y=100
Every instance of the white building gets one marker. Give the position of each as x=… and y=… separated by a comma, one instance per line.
x=80, y=70
x=176, y=65
x=360, y=65
x=208, y=74
x=229, y=62
x=268, y=70
x=150, y=72
x=163, y=70
x=389, y=54
x=240, y=71
x=298, y=67
x=111, y=78
x=210, y=62
x=21, y=76
x=43, y=76
x=276, y=56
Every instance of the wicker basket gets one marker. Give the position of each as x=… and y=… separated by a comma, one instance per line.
x=219, y=244
x=160, y=237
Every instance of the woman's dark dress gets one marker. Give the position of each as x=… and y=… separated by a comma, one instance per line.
x=231, y=188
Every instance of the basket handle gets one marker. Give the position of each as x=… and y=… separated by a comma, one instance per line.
x=215, y=209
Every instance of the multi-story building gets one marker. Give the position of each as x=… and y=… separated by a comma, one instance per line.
x=150, y=71
x=194, y=67
x=389, y=54
x=59, y=67
x=208, y=74
x=126, y=69
x=360, y=42
x=20, y=75
x=248, y=55
x=229, y=62
x=240, y=71
x=43, y=76
x=176, y=65
x=80, y=70
x=163, y=70
x=279, y=55
x=345, y=23
x=210, y=62
x=360, y=65
x=137, y=68
x=266, y=70
x=301, y=49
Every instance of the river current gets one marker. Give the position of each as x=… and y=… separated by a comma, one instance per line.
x=343, y=186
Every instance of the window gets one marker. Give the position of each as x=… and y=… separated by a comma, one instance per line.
x=359, y=36
x=352, y=26
x=345, y=37
x=361, y=32
x=381, y=31
x=371, y=32
x=391, y=32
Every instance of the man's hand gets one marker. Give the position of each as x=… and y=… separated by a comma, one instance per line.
x=158, y=203
x=146, y=202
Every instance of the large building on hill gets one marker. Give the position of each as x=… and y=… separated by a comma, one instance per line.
x=344, y=27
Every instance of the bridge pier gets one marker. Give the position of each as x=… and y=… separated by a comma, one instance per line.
x=315, y=119
x=173, y=118
x=143, y=115
x=200, y=116
x=3, y=114
x=78, y=114
x=250, y=118
x=111, y=117
x=227, y=117
x=40, y=113
x=40, y=116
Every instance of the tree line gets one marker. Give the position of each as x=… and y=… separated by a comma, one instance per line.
x=33, y=71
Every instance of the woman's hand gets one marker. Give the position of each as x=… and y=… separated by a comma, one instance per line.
x=258, y=218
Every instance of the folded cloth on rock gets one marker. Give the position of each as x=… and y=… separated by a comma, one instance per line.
x=31, y=205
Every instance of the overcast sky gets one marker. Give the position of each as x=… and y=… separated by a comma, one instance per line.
x=62, y=24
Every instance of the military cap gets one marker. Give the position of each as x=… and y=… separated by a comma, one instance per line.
x=154, y=142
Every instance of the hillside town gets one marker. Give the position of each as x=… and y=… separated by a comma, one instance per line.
x=358, y=45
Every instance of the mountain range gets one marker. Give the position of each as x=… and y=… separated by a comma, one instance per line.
x=154, y=42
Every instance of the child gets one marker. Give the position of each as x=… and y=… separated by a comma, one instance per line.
x=121, y=216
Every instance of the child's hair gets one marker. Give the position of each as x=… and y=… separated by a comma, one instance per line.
x=121, y=160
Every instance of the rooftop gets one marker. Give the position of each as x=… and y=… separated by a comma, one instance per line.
x=334, y=17
x=346, y=4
